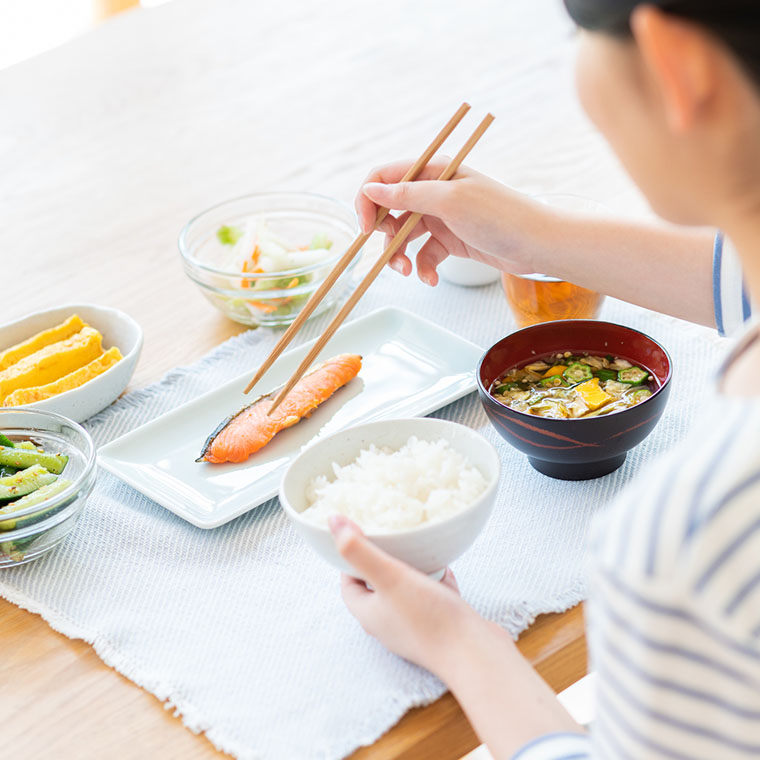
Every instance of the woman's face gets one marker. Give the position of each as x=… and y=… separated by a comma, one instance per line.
x=621, y=97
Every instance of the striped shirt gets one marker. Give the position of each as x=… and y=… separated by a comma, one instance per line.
x=730, y=300
x=674, y=610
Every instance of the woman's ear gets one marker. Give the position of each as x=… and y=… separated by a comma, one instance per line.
x=679, y=58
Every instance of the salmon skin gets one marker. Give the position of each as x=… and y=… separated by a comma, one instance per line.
x=250, y=429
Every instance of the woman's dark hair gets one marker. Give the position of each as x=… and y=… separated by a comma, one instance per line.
x=735, y=22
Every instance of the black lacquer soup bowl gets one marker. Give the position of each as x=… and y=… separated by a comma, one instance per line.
x=583, y=448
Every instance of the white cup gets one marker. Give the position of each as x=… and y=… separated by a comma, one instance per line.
x=467, y=272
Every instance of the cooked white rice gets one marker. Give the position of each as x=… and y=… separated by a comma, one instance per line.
x=386, y=490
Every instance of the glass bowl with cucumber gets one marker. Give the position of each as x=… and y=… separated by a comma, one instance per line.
x=47, y=471
x=259, y=258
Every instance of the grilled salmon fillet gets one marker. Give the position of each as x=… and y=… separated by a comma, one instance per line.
x=252, y=428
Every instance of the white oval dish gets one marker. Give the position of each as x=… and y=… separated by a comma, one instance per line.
x=118, y=329
x=428, y=547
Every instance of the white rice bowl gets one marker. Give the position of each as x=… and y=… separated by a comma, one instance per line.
x=382, y=489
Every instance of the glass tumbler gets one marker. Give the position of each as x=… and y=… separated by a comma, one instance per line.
x=535, y=298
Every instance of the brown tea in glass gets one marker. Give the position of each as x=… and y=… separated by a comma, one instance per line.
x=535, y=298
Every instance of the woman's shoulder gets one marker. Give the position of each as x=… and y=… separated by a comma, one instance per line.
x=693, y=519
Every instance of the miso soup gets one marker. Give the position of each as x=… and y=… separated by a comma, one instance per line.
x=567, y=385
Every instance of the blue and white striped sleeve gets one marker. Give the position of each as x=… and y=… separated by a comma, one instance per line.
x=730, y=300
x=558, y=746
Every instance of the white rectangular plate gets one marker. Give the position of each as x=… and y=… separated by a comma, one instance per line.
x=411, y=367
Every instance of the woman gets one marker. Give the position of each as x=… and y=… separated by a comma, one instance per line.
x=674, y=613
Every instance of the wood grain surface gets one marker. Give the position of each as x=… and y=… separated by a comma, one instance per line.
x=111, y=143
x=61, y=701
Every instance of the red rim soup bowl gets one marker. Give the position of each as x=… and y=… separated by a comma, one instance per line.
x=575, y=449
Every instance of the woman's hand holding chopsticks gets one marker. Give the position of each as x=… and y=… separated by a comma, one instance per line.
x=464, y=218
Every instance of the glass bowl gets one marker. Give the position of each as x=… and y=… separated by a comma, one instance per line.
x=32, y=532
x=268, y=299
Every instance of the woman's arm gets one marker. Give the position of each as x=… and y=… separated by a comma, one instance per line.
x=662, y=268
x=506, y=701
x=428, y=623
x=665, y=269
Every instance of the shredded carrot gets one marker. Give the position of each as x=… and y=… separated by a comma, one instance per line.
x=267, y=308
x=251, y=269
x=292, y=283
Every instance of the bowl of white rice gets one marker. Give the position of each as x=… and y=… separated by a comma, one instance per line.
x=420, y=489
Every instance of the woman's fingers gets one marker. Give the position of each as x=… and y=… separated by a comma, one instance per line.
x=430, y=256
x=367, y=213
x=352, y=589
x=449, y=580
x=356, y=596
x=400, y=262
x=371, y=563
x=391, y=225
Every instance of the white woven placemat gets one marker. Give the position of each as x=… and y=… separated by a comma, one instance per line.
x=242, y=628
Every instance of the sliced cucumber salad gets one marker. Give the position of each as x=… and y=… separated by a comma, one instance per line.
x=29, y=477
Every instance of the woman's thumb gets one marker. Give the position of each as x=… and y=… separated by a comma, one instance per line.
x=372, y=564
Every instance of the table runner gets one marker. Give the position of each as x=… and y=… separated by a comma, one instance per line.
x=242, y=629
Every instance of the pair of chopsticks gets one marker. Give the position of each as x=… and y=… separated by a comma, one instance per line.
x=378, y=266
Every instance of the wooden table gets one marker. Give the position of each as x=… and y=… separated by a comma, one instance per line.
x=110, y=143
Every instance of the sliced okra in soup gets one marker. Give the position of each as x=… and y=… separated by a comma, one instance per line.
x=578, y=373
x=641, y=394
x=505, y=387
x=555, y=381
x=633, y=375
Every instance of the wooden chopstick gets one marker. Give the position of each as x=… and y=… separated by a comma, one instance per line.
x=317, y=296
x=394, y=245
